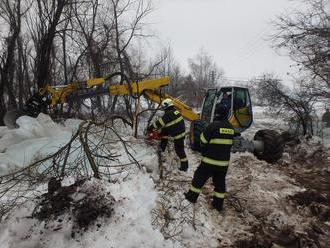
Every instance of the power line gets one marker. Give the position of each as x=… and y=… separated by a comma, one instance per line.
x=256, y=43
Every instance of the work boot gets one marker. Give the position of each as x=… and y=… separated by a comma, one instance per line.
x=183, y=166
x=191, y=196
x=217, y=203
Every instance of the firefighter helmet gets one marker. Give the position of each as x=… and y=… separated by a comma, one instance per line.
x=166, y=103
x=221, y=113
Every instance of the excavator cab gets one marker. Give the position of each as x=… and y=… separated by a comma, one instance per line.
x=267, y=144
x=238, y=102
x=235, y=99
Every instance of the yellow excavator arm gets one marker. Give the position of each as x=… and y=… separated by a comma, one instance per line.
x=149, y=88
x=139, y=87
x=184, y=109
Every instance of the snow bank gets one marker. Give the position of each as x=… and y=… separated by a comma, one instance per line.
x=134, y=227
x=34, y=139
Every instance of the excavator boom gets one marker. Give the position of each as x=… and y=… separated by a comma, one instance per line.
x=149, y=88
x=139, y=87
x=184, y=109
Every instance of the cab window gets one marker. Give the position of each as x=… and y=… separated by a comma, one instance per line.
x=208, y=104
x=242, y=107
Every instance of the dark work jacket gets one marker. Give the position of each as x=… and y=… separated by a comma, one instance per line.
x=216, y=143
x=35, y=105
x=171, y=123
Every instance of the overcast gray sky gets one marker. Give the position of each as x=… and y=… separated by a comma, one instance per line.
x=232, y=31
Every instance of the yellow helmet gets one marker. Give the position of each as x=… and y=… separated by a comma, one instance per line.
x=166, y=103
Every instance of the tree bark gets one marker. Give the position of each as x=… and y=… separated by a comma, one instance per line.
x=43, y=64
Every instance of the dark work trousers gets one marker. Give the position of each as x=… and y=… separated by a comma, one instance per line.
x=203, y=173
x=179, y=149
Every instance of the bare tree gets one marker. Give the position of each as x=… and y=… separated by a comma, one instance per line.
x=94, y=36
x=63, y=41
x=124, y=34
x=204, y=74
x=10, y=12
x=296, y=105
x=306, y=36
x=166, y=65
x=204, y=70
x=49, y=15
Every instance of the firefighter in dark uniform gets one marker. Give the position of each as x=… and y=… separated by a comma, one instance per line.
x=36, y=104
x=172, y=124
x=216, y=142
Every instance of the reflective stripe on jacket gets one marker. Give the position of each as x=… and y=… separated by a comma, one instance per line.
x=216, y=142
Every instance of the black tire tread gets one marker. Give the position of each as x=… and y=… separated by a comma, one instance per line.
x=273, y=145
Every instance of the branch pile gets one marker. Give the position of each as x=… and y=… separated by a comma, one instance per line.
x=94, y=150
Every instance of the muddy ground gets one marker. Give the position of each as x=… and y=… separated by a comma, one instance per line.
x=285, y=204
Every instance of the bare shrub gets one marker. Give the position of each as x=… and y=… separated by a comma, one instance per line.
x=93, y=151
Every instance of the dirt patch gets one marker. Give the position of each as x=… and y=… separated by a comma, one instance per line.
x=89, y=210
x=315, y=204
x=84, y=202
x=56, y=201
x=308, y=163
x=309, y=197
x=270, y=237
x=307, y=211
x=279, y=205
x=309, y=166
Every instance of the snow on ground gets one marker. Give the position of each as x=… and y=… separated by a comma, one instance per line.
x=129, y=226
x=35, y=138
x=263, y=120
x=152, y=212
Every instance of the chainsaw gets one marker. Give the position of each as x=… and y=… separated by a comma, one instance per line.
x=154, y=135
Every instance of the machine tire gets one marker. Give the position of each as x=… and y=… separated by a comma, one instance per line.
x=273, y=145
x=196, y=128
